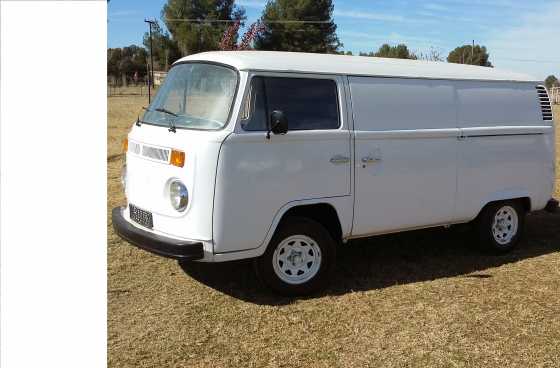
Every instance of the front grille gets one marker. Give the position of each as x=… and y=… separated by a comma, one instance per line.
x=150, y=152
x=155, y=153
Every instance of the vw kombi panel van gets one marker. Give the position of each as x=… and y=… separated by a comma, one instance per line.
x=281, y=156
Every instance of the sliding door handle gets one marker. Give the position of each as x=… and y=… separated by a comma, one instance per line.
x=339, y=159
x=370, y=160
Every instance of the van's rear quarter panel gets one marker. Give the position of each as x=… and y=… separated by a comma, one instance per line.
x=494, y=168
x=498, y=166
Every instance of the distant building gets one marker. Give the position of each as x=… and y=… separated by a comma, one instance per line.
x=159, y=77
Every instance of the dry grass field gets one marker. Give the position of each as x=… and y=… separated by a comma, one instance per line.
x=420, y=299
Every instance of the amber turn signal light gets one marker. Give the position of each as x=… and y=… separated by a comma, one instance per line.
x=177, y=158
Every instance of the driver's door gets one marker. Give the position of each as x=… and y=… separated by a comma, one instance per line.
x=261, y=175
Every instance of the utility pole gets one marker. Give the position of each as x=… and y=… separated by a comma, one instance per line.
x=151, y=76
x=148, y=76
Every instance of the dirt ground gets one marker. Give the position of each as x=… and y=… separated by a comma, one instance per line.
x=423, y=298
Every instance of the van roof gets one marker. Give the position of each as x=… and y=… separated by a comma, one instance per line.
x=354, y=65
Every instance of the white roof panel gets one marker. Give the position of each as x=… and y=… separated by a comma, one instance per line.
x=354, y=65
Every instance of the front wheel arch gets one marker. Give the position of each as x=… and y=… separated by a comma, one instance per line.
x=322, y=213
x=299, y=227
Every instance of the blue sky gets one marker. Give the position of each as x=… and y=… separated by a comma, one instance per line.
x=521, y=35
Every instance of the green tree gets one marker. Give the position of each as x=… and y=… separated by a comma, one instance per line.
x=281, y=33
x=551, y=81
x=468, y=54
x=400, y=51
x=134, y=59
x=126, y=62
x=114, y=57
x=189, y=22
x=165, y=49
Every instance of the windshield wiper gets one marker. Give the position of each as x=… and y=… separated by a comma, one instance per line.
x=161, y=109
x=138, y=121
x=171, y=123
x=172, y=127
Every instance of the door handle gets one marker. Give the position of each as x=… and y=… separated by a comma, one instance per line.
x=339, y=159
x=370, y=160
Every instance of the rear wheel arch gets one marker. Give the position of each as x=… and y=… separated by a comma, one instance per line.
x=500, y=224
x=525, y=202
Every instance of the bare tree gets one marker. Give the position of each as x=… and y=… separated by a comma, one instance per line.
x=229, y=38
x=431, y=55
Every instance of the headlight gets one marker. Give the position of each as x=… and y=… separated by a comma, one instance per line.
x=178, y=195
x=123, y=177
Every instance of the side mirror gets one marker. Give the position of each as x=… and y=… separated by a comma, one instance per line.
x=278, y=122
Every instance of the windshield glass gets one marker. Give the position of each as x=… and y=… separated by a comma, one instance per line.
x=194, y=95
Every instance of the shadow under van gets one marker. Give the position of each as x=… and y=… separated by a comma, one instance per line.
x=385, y=261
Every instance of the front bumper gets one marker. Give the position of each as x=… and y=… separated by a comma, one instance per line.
x=160, y=245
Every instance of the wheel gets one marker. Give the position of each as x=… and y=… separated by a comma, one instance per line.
x=500, y=226
x=299, y=258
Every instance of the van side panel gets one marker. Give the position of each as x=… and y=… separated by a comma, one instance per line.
x=507, y=150
x=406, y=132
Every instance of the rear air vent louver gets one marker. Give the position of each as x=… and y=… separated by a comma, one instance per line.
x=545, y=103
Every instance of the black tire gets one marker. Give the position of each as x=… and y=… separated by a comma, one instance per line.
x=291, y=227
x=487, y=234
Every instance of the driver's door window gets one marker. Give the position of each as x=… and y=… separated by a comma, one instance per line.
x=307, y=103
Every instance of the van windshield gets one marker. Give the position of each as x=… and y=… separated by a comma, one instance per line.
x=195, y=96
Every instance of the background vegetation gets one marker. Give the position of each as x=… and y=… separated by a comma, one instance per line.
x=287, y=25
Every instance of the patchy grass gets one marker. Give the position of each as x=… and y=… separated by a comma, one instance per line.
x=424, y=298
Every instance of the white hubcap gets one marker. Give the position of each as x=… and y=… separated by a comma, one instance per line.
x=505, y=225
x=297, y=259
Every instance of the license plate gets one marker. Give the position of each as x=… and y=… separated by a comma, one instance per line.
x=141, y=217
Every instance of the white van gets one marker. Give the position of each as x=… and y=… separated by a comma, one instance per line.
x=281, y=156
